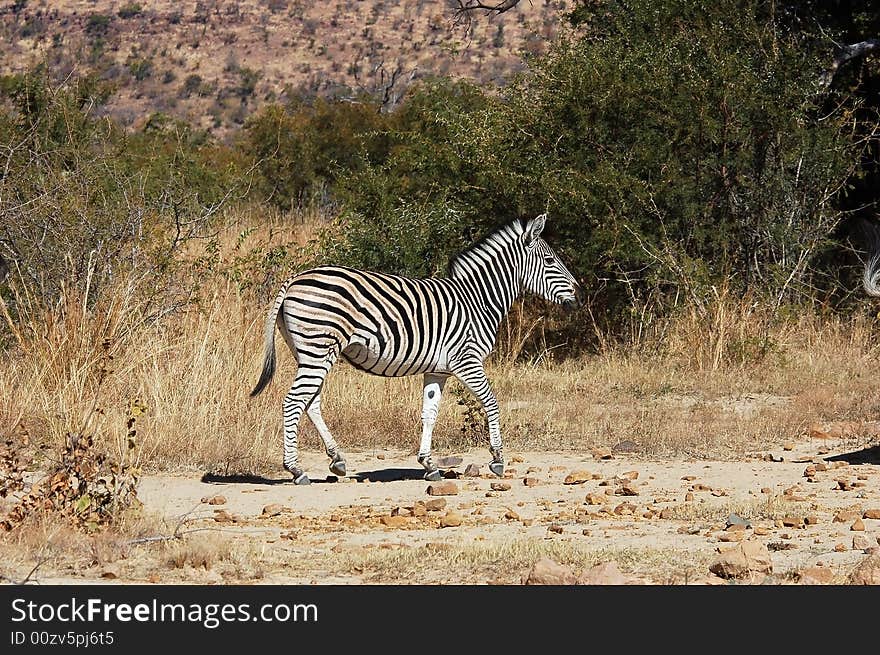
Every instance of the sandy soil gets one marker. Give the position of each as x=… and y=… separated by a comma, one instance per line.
x=333, y=522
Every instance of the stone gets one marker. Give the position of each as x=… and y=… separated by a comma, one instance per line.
x=222, y=516
x=845, y=516
x=761, y=531
x=811, y=519
x=625, y=509
x=861, y=542
x=554, y=528
x=401, y=511
x=700, y=487
x=844, y=485
x=747, y=558
x=577, y=477
x=510, y=515
x=788, y=446
x=667, y=513
x=840, y=548
x=450, y=520
x=419, y=509
x=548, y=572
x=500, y=486
x=857, y=525
x=435, y=504
x=688, y=497
x=516, y=459
x=606, y=573
x=792, y=522
x=810, y=471
x=871, y=514
x=273, y=509
x=394, y=521
x=689, y=478
x=631, y=475
x=531, y=482
x=766, y=490
x=215, y=500
x=626, y=489
x=595, y=499
x=445, y=488
x=472, y=471
x=815, y=575
x=735, y=535
x=736, y=519
x=602, y=453
x=867, y=572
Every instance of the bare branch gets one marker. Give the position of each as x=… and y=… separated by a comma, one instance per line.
x=844, y=54
x=467, y=7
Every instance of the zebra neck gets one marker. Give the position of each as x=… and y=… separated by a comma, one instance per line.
x=491, y=285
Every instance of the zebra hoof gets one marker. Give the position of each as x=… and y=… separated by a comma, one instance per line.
x=337, y=467
x=301, y=480
x=497, y=468
x=434, y=476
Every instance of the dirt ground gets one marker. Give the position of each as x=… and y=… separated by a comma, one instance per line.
x=663, y=521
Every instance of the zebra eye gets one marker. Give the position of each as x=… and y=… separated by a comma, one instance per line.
x=548, y=259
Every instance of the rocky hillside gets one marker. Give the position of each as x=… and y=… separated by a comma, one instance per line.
x=213, y=62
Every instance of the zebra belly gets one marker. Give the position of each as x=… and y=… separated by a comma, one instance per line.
x=367, y=357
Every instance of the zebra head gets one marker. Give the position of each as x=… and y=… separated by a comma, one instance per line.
x=544, y=274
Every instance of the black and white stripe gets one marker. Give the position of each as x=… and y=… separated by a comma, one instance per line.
x=393, y=326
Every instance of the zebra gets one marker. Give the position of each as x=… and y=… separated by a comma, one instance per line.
x=392, y=326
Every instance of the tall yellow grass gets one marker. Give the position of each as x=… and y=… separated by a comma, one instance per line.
x=714, y=383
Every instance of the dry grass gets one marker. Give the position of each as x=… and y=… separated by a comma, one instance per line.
x=194, y=370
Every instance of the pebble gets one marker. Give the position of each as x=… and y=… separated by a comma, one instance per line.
x=215, y=500
x=871, y=514
x=531, y=482
x=811, y=519
x=554, y=528
x=626, y=489
x=688, y=497
x=792, y=522
x=860, y=542
x=472, y=471
x=845, y=516
x=394, y=521
x=445, y=488
x=594, y=499
x=435, y=504
x=450, y=520
x=500, y=486
x=857, y=525
x=577, y=477
x=222, y=516
x=510, y=515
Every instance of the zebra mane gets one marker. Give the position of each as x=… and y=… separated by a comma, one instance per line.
x=501, y=235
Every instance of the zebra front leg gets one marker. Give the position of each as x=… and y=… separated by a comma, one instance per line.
x=337, y=461
x=473, y=376
x=432, y=392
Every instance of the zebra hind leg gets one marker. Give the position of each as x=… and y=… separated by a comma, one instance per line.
x=337, y=461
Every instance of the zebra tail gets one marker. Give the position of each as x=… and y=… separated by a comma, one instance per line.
x=269, y=344
x=871, y=278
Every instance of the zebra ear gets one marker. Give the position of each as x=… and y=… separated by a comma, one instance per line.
x=534, y=228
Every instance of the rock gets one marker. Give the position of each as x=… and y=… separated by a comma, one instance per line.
x=761, y=531
x=547, y=572
x=631, y=475
x=215, y=500
x=688, y=497
x=735, y=535
x=531, y=482
x=435, y=504
x=667, y=513
x=811, y=519
x=719, y=492
x=871, y=514
x=291, y=535
x=860, y=542
x=450, y=520
x=448, y=462
x=445, y=488
x=766, y=490
x=735, y=519
x=419, y=509
x=626, y=489
x=449, y=474
x=845, y=516
x=274, y=509
x=844, y=485
x=700, y=487
x=602, y=453
x=401, y=511
x=689, y=478
x=394, y=521
x=380, y=456
x=625, y=509
x=867, y=572
x=814, y=575
x=792, y=522
x=577, y=477
x=810, y=471
x=748, y=558
x=857, y=525
x=222, y=516
x=472, y=471
x=787, y=446
x=606, y=573
x=555, y=528
x=595, y=499
x=500, y=486
x=516, y=459
x=510, y=515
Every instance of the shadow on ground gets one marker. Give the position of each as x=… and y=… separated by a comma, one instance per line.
x=381, y=475
x=870, y=455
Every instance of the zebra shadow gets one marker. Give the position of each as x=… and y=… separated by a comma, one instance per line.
x=389, y=475
x=379, y=475
x=869, y=455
